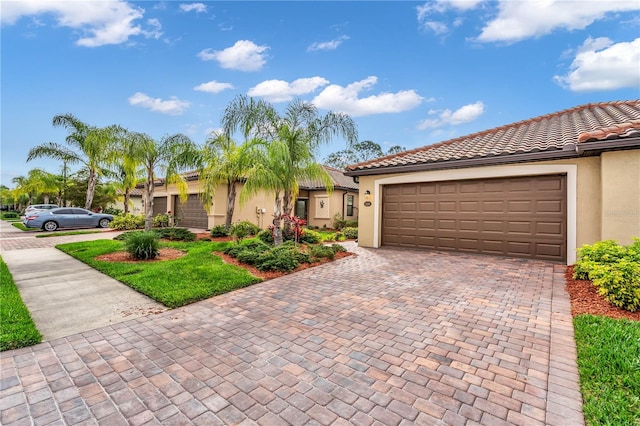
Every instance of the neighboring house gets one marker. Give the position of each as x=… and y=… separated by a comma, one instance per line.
x=539, y=188
x=313, y=203
x=135, y=201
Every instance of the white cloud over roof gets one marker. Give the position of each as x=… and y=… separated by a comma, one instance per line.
x=172, y=106
x=346, y=99
x=213, y=87
x=446, y=117
x=244, y=55
x=601, y=64
x=97, y=23
x=282, y=91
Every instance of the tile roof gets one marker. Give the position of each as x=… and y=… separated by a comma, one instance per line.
x=340, y=181
x=547, y=133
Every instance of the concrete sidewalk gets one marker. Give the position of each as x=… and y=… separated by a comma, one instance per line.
x=66, y=297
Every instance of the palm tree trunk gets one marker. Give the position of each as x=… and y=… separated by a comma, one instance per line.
x=148, y=204
x=91, y=188
x=277, y=220
x=127, y=198
x=231, y=202
x=287, y=208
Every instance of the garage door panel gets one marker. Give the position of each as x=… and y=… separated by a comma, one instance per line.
x=191, y=213
x=159, y=205
x=520, y=216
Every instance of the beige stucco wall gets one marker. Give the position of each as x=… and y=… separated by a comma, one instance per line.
x=218, y=209
x=323, y=207
x=135, y=205
x=604, y=204
x=620, y=195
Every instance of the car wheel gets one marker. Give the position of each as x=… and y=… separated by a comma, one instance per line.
x=50, y=226
x=104, y=223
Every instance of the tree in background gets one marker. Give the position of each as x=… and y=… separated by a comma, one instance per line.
x=287, y=145
x=36, y=183
x=104, y=193
x=88, y=145
x=164, y=159
x=358, y=153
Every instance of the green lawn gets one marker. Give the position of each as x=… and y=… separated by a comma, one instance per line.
x=20, y=226
x=17, y=329
x=62, y=234
x=609, y=365
x=196, y=276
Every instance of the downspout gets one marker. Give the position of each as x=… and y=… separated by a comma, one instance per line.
x=343, y=205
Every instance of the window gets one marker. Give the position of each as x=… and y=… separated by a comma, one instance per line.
x=349, y=205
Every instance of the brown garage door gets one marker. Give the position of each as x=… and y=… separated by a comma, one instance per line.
x=159, y=205
x=190, y=214
x=519, y=216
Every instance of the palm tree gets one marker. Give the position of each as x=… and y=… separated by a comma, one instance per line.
x=288, y=143
x=223, y=162
x=38, y=182
x=88, y=145
x=164, y=159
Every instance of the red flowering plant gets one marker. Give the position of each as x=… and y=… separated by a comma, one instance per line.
x=296, y=225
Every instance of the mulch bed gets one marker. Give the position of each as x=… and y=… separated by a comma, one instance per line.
x=586, y=300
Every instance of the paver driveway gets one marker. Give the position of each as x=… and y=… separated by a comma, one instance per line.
x=387, y=337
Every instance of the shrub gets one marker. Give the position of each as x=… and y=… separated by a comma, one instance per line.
x=161, y=220
x=310, y=237
x=614, y=269
x=243, y=229
x=338, y=221
x=350, y=232
x=265, y=236
x=284, y=258
x=219, y=231
x=127, y=222
x=351, y=223
x=321, y=252
x=10, y=215
x=112, y=211
x=125, y=235
x=338, y=248
x=175, y=234
x=142, y=245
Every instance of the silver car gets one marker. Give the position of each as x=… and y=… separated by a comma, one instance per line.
x=66, y=217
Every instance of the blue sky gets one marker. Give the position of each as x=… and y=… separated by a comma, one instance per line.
x=409, y=73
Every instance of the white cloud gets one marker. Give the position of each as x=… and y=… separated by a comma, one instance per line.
x=173, y=106
x=327, y=45
x=244, y=55
x=282, y=91
x=519, y=20
x=516, y=20
x=463, y=114
x=194, y=7
x=98, y=23
x=345, y=99
x=602, y=65
x=213, y=87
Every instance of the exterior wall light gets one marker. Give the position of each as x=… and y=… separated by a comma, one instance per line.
x=367, y=195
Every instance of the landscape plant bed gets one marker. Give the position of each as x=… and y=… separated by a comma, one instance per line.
x=586, y=300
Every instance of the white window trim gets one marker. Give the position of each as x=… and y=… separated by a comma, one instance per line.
x=571, y=171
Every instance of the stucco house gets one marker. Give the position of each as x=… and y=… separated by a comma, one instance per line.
x=313, y=203
x=538, y=188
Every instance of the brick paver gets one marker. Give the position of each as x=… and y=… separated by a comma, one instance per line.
x=385, y=337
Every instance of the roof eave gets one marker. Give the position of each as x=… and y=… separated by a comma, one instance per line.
x=569, y=151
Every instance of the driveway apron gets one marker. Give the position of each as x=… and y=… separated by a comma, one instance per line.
x=384, y=337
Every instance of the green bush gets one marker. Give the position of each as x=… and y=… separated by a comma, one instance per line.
x=614, y=269
x=125, y=235
x=321, y=252
x=143, y=245
x=310, y=237
x=284, y=258
x=351, y=223
x=112, y=211
x=338, y=221
x=128, y=222
x=161, y=220
x=219, y=231
x=350, y=232
x=242, y=230
x=175, y=234
x=10, y=215
x=338, y=248
x=265, y=236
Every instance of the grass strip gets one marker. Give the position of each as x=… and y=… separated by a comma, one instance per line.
x=195, y=276
x=609, y=365
x=17, y=329
x=62, y=234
